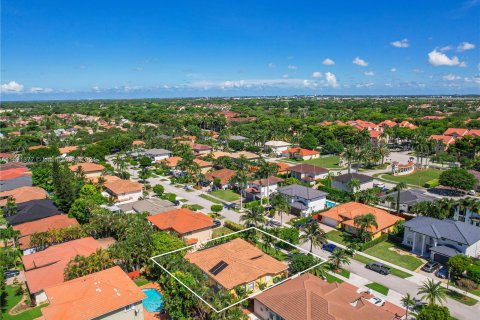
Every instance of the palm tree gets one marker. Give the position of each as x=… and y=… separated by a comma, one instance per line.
x=408, y=301
x=313, y=233
x=320, y=271
x=432, y=292
x=339, y=257
x=364, y=223
x=239, y=180
x=400, y=186
x=349, y=155
x=354, y=185
x=254, y=216
x=281, y=205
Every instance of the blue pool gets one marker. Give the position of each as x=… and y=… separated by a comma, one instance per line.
x=154, y=300
x=330, y=204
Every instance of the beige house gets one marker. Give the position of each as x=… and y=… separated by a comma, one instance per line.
x=90, y=169
x=124, y=190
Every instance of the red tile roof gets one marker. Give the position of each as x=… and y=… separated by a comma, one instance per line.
x=445, y=139
x=22, y=194
x=121, y=186
x=181, y=220
x=455, y=132
x=223, y=174
x=87, y=167
x=300, y=151
x=13, y=173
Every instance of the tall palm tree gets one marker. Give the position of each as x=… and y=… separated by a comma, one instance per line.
x=254, y=216
x=400, y=186
x=281, y=205
x=313, y=233
x=432, y=292
x=339, y=257
x=364, y=223
x=239, y=180
x=408, y=301
x=350, y=154
x=354, y=185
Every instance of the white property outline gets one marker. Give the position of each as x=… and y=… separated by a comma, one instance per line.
x=252, y=295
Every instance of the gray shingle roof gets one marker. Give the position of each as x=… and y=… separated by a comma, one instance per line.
x=345, y=178
x=157, y=152
x=457, y=231
x=445, y=250
x=302, y=192
x=411, y=196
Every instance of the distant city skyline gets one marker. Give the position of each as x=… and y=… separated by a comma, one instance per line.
x=119, y=49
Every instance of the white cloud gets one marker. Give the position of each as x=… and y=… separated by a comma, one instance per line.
x=364, y=85
x=451, y=77
x=463, y=64
x=40, y=90
x=328, y=62
x=292, y=67
x=437, y=58
x=464, y=46
x=317, y=74
x=360, y=62
x=404, y=43
x=96, y=88
x=369, y=73
x=393, y=70
x=446, y=48
x=271, y=65
x=12, y=86
x=331, y=79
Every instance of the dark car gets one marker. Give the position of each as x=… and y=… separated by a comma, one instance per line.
x=217, y=223
x=176, y=202
x=329, y=247
x=431, y=266
x=11, y=273
x=442, y=273
x=378, y=267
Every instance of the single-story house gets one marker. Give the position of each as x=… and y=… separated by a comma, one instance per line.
x=124, y=190
x=277, y=147
x=66, y=150
x=262, y=188
x=308, y=172
x=300, y=153
x=223, y=176
x=441, y=239
x=442, y=142
x=15, y=178
x=22, y=194
x=45, y=268
x=399, y=169
x=32, y=210
x=152, y=206
x=90, y=169
x=304, y=200
x=249, y=155
x=192, y=226
x=172, y=163
x=316, y=299
x=201, y=149
x=158, y=154
x=343, y=215
x=237, y=263
x=341, y=182
x=107, y=294
x=408, y=198
x=50, y=223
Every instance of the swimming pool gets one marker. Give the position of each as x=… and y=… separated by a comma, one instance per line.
x=154, y=300
x=330, y=204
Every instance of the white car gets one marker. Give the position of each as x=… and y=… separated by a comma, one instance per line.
x=380, y=185
x=472, y=193
x=377, y=301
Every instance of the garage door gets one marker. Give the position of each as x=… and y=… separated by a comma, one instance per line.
x=440, y=258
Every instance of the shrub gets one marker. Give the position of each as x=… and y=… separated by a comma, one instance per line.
x=369, y=244
x=458, y=264
x=434, y=312
x=337, y=195
x=216, y=208
x=233, y=226
x=432, y=183
x=473, y=272
x=158, y=189
x=466, y=284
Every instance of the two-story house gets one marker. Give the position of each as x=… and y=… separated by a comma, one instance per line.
x=342, y=182
x=308, y=172
x=304, y=200
x=261, y=188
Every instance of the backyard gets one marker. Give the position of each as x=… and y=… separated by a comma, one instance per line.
x=330, y=162
x=227, y=195
x=417, y=178
x=11, y=300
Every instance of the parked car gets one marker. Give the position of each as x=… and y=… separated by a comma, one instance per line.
x=380, y=185
x=377, y=301
x=217, y=223
x=378, y=267
x=11, y=273
x=329, y=247
x=431, y=266
x=274, y=222
x=176, y=202
x=442, y=273
x=472, y=193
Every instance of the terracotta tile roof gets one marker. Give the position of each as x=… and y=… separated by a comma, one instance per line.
x=270, y=181
x=308, y=168
x=445, y=139
x=433, y=117
x=107, y=178
x=310, y=298
x=374, y=134
x=50, y=223
x=37, y=147
x=300, y=151
x=345, y=213
x=406, y=124
x=65, y=150
x=200, y=147
x=91, y=296
x=218, y=154
x=387, y=123
x=121, y=186
x=223, y=174
x=171, y=162
x=455, y=132
x=246, y=154
x=202, y=163
x=22, y=194
x=282, y=166
x=181, y=220
x=87, y=167
x=13, y=173
x=473, y=132
x=4, y=155
x=245, y=263
x=12, y=165
x=45, y=268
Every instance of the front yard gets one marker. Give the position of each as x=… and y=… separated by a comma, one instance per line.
x=385, y=251
x=417, y=178
x=378, y=287
x=330, y=162
x=336, y=236
x=227, y=195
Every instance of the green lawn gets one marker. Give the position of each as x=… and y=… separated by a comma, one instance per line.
x=211, y=199
x=193, y=207
x=393, y=271
x=227, y=195
x=378, y=287
x=141, y=281
x=221, y=231
x=418, y=178
x=461, y=298
x=344, y=273
x=12, y=300
x=331, y=279
x=330, y=162
x=336, y=236
x=382, y=251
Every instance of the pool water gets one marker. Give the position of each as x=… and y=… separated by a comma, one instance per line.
x=154, y=300
x=330, y=204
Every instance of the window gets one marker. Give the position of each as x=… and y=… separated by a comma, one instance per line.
x=268, y=278
x=250, y=286
x=128, y=308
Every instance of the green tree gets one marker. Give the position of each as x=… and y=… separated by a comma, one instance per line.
x=434, y=312
x=400, y=186
x=314, y=234
x=408, y=302
x=339, y=257
x=365, y=223
x=309, y=142
x=158, y=189
x=216, y=208
x=254, y=216
x=432, y=292
x=458, y=264
x=301, y=262
x=459, y=179
x=89, y=198
x=354, y=185
x=81, y=266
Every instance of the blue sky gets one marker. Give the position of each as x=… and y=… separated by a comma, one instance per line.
x=128, y=49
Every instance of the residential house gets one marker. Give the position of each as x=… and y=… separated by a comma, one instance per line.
x=261, y=188
x=304, y=200
x=408, y=198
x=406, y=124
x=124, y=190
x=152, y=206
x=308, y=172
x=442, y=142
x=237, y=138
x=307, y=297
x=363, y=125
x=107, y=294
x=237, y=263
x=473, y=133
x=301, y=154
x=282, y=166
x=467, y=215
x=277, y=147
x=46, y=268
x=192, y=226
x=377, y=137
x=248, y=155
x=158, y=154
x=439, y=240
x=343, y=216
x=221, y=176
x=201, y=149
x=387, y=124
x=342, y=181
x=14, y=178
x=90, y=169
x=66, y=150
x=172, y=163
x=50, y=223
x=456, y=132
x=32, y=210
x=399, y=169
x=22, y=194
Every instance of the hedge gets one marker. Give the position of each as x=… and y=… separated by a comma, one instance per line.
x=369, y=244
x=337, y=195
x=432, y=183
x=233, y=226
x=473, y=272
